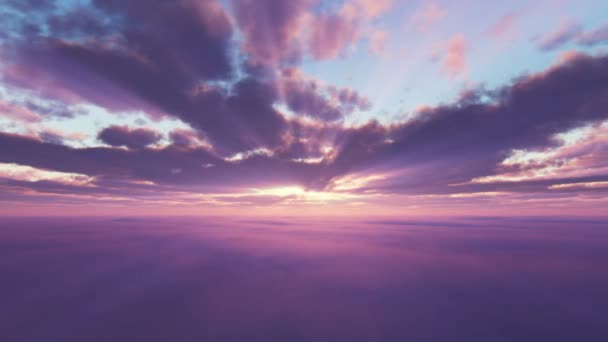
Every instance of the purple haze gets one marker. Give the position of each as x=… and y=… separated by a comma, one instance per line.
x=286, y=279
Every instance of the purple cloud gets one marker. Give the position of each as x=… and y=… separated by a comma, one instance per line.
x=131, y=138
x=312, y=98
x=597, y=36
x=447, y=145
x=179, y=65
x=469, y=139
x=572, y=32
x=270, y=28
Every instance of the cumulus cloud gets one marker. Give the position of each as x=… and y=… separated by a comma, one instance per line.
x=470, y=139
x=257, y=120
x=139, y=71
x=271, y=28
x=316, y=99
x=439, y=152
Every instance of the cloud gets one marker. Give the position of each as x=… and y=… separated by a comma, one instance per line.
x=131, y=138
x=580, y=152
x=566, y=31
x=374, y=8
x=111, y=165
x=331, y=34
x=271, y=28
x=316, y=99
x=133, y=64
x=139, y=71
x=453, y=55
x=439, y=152
x=504, y=26
x=570, y=31
x=257, y=121
x=184, y=138
x=124, y=68
x=453, y=144
x=281, y=33
x=29, y=174
x=377, y=41
x=51, y=137
x=428, y=16
x=597, y=36
x=18, y=113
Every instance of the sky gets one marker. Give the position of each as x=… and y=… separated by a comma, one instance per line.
x=303, y=107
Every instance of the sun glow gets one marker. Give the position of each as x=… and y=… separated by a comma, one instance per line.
x=300, y=194
x=354, y=182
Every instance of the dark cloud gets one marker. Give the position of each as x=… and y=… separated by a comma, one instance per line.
x=311, y=98
x=131, y=138
x=270, y=28
x=188, y=37
x=240, y=121
x=32, y=5
x=163, y=60
x=176, y=59
x=51, y=137
x=160, y=62
x=455, y=143
x=442, y=147
x=182, y=138
x=193, y=168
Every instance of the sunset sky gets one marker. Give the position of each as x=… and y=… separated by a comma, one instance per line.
x=303, y=107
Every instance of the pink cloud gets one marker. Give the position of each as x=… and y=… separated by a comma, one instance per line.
x=503, y=28
x=566, y=31
x=452, y=55
x=567, y=57
x=332, y=33
x=272, y=29
x=377, y=41
x=279, y=32
x=428, y=16
x=19, y=113
x=373, y=8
